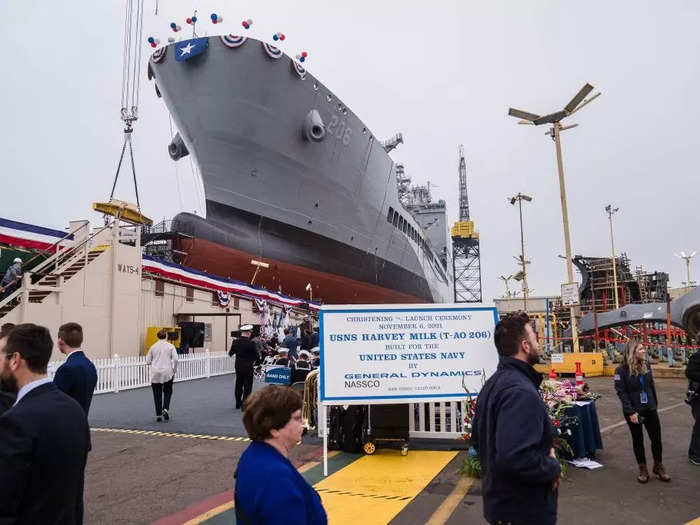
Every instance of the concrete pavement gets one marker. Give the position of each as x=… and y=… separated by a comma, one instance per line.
x=141, y=478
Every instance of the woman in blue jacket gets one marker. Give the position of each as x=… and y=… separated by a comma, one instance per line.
x=269, y=490
x=634, y=384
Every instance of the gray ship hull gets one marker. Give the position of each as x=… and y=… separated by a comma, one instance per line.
x=241, y=115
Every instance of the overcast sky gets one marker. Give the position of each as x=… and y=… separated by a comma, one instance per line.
x=442, y=73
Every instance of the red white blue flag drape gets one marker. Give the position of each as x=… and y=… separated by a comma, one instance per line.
x=224, y=298
x=159, y=55
x=271, y=51
x=299, y=69
x=233, y=41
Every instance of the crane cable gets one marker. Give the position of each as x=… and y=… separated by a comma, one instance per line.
x=131, y=81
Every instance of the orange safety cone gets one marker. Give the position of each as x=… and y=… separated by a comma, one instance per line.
x=552, y=374
x=579, y=374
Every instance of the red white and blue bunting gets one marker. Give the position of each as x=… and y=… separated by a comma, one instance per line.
x=159, y=55
x=224, y=298
x=32, y=237
x=201, y=279
x=271, y=51
x=299, y=69
x=233, y=41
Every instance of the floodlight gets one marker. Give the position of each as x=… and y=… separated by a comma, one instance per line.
x=571, y=106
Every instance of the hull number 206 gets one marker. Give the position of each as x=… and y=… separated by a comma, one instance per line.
x=339, y=129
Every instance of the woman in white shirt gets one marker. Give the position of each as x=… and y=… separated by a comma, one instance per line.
x=162, y=357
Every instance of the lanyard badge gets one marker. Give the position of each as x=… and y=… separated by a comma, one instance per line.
x=643, y=399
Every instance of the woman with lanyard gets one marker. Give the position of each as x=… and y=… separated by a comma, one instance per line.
x=634, y=384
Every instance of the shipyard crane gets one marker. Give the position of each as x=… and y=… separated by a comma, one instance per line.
x=131, y=75
x=466, y=257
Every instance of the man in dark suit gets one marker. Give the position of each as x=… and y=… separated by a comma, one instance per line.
x=246, y=358
x=77, y=377
x=44, y=437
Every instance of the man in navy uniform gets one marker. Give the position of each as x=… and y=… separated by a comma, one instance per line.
x=246, y=358
x=44, y=436
x=77, y=377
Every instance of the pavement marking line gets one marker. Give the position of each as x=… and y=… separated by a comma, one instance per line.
x=374, y=489
x=210, y=514
x=623, y=422
x=167, y=434
x=447, y=507
x=696, y=521
x=220, y=509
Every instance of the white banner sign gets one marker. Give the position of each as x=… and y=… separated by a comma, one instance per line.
x=569, y=294
x=404, y=353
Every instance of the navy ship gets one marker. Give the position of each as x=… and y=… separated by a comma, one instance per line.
x=292, y=178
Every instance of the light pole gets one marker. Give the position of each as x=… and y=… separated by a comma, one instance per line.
x=258, y=265
x=505, y=281
x=555, y=119
x=611, y=211
x=687, y=258
x=519, y=199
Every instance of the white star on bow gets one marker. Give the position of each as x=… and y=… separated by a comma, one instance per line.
x=187, y=49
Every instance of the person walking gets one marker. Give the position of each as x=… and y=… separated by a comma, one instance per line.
x=692, y=372
x=634, y=384
x=11, y=279
x=513, y=435
x=246, y=358
x=162, y=357
x=269, y=488
x=45, y=436
x=77, y=377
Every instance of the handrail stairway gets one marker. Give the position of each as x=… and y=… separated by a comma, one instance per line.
x=49, y=275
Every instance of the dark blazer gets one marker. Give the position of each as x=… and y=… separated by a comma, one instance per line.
x=270, y=491
x=77, y=377
x=629, y=390
x=6, y=401
x=513, y=435
x=44, y=449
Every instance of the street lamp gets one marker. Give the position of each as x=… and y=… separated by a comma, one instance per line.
x=687, y=258
x=258, y=265
x=519, y=198
x=611, y=211
x=575, y=104
x=505, y=281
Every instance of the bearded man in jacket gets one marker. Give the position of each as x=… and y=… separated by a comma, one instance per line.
x=513, y=435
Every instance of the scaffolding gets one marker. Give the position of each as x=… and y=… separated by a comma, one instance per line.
x=466, y=255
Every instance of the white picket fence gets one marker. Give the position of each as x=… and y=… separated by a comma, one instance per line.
x=426, y=420
x=124, y=373
x=436, y=420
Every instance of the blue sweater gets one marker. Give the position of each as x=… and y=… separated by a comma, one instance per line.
x=269, y=490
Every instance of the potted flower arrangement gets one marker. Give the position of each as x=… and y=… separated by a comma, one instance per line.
x=557, y=397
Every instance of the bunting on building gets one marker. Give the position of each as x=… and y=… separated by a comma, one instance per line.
x=33, y=237
x=201, y=279
x=224, y=298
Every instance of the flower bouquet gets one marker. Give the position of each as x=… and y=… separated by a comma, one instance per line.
x=557, y=397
